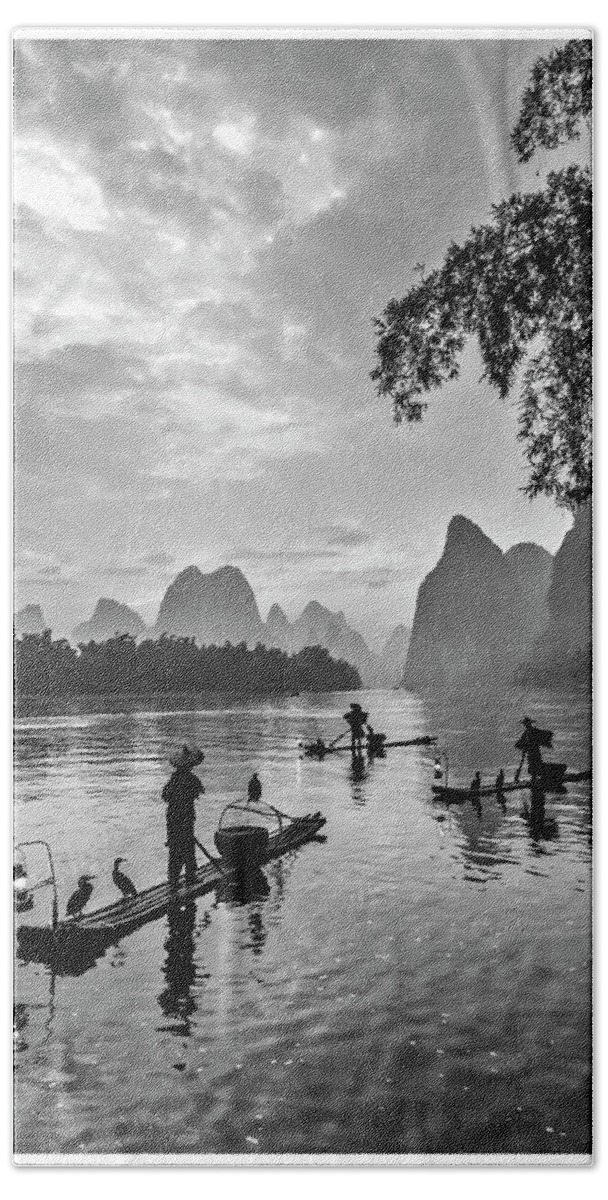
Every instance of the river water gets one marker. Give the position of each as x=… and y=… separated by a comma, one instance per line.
x=418, y=984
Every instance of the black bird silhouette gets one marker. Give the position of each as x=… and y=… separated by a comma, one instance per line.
x=80, y=897
x=122, y=881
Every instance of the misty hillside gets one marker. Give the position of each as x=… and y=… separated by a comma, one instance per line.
x=477, y=611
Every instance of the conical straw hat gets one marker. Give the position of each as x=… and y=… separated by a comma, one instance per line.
x=186, y=757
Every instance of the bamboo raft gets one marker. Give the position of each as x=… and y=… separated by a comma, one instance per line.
x=76, y=942
x=312, y=750
x=457, y=795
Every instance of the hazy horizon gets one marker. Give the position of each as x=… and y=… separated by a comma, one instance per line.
x=205, y=233
x=375, y=632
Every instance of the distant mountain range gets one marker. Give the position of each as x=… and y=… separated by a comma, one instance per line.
x=484, y=616
x=109, y=618
x=220, y=606
x=30, y=619
x=319, y=626
x=563, y=650
x=215, y=608
x=481, y=616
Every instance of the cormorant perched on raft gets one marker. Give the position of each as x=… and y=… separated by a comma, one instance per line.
x=122, y=881
x=80, y=897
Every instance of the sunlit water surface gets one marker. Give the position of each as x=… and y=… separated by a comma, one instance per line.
x=420, y=983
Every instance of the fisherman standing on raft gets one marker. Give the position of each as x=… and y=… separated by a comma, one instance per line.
x=530, y=744
x=356, y=719
x=180, y=794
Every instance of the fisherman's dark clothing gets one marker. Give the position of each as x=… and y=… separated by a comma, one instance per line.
x=180, y=794
x=356, y=719
x=530, y=743
x=535, y=761
x=181, y=855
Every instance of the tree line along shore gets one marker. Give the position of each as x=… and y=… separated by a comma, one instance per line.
x=122, y=665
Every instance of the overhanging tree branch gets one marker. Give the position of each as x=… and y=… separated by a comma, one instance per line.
x=521, y=285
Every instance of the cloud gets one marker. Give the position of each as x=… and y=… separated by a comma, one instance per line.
x=283, y=555
x=205, y=231
x=160, y=559
x=43, y=581
x=345, y=535
x=56, y=186
x=119, y=571
x=83, y=371
x=237, y=134
x=371, y=578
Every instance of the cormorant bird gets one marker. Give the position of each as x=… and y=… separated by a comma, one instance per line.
x=122, y=881
x=80, y=897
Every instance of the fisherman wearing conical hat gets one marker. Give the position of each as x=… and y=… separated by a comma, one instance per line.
x=180, y=794
x=356, y=720
x=530, y=744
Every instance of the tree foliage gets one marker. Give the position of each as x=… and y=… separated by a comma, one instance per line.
x=122, y=666
x=521, y=285
x=559, y=95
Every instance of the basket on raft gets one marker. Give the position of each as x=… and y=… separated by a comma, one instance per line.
x=552, y=775
x=241, y=841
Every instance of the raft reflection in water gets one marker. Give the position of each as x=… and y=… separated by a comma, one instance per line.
x=181, y=973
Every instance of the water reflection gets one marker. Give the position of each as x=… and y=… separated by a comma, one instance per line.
x=33, y=1019
x=250, y=891
x=483, y=844
x=540, y=827
x=176, y=1000
x=277, y=871
x=484, y=832
x=72, y=955
x=21, y=1019
x=358, y=772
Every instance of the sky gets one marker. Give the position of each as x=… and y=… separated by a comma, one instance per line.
x=205, y=232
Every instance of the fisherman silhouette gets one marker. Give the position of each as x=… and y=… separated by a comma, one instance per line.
x=356, y=719
x=180, y=794
x=530, y=744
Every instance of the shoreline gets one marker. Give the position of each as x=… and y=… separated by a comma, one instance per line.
x=90, y=703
